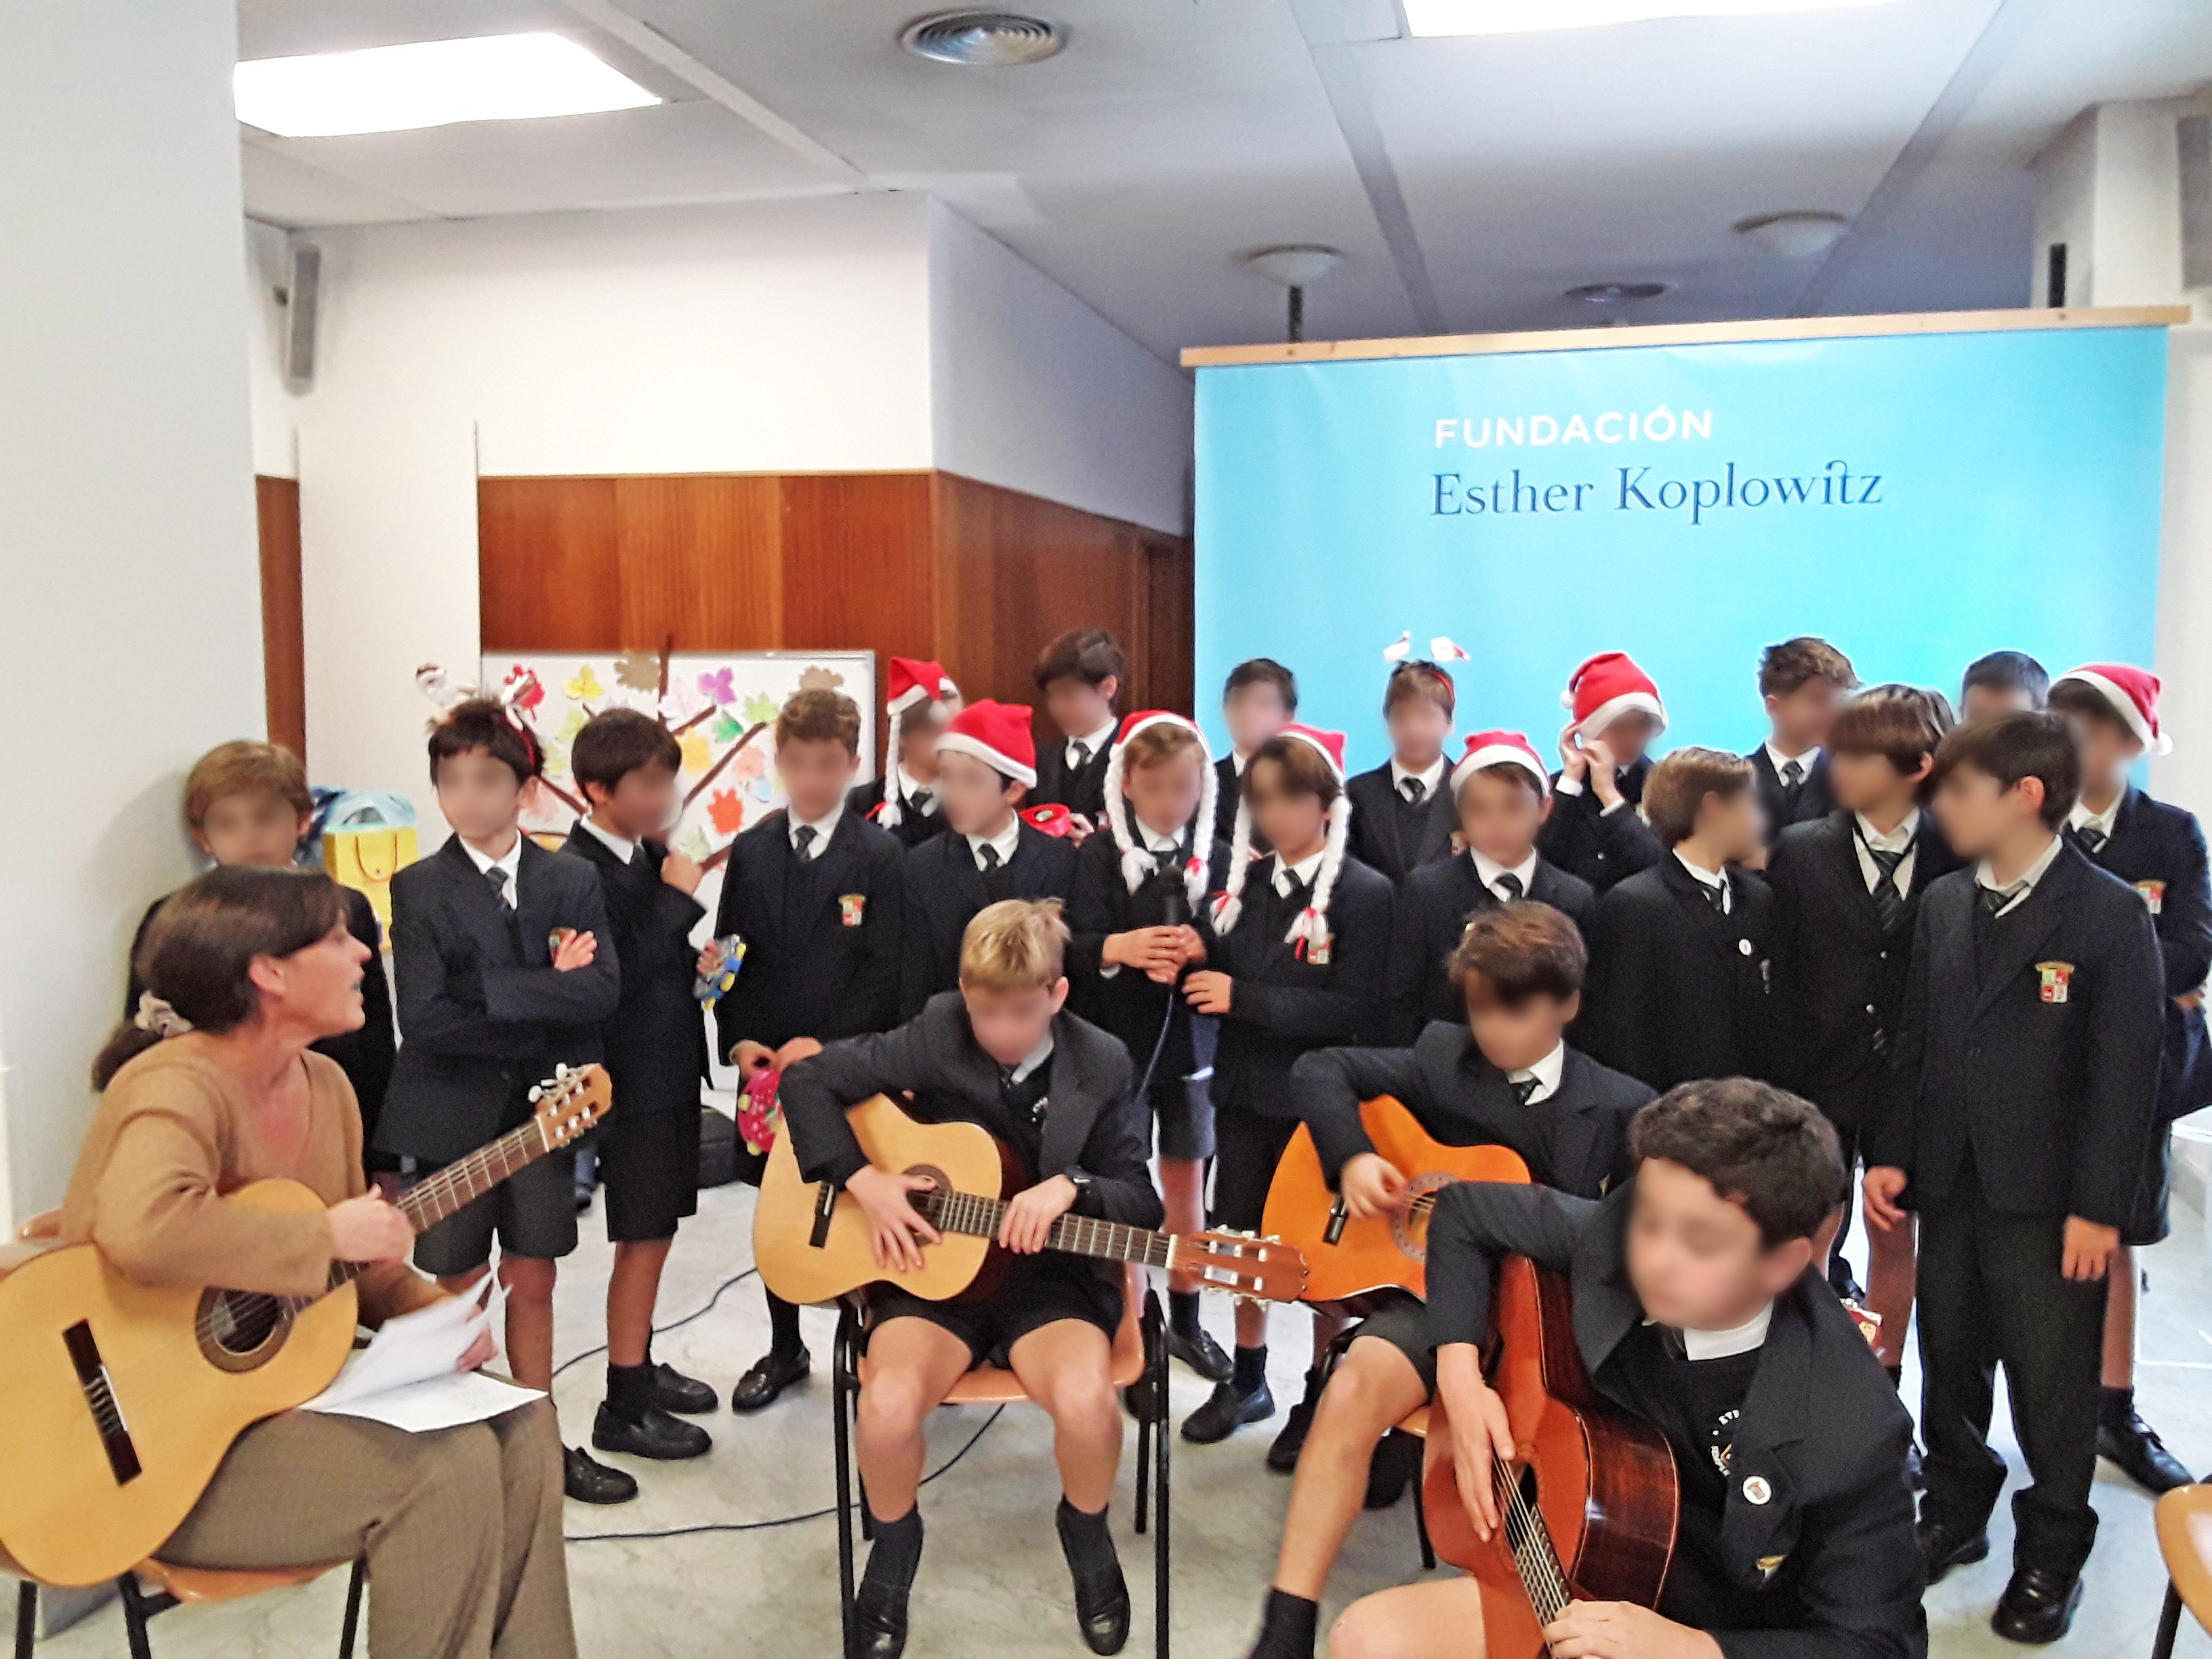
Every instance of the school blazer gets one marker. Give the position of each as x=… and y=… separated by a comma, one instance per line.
x=2159, y=850
x=1080, y=790
x=1391, y=838
x=943, y=891
x=1682, y=989
x=1229, y=789
x=2043, y=1070
x=1283, y=1003
x=1094, y=1126
x=1601, y=847
x=366, y=1055
x=1435, y=904
x=1839, y=981
x=1814, y=801
x=865, y=800
x=1827, y=1567
x=1576, y=1140
x=1129, y=1005
x=482, y=1011
x=655, y=1040
x=822, y=936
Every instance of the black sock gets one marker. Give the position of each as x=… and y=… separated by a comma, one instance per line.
x=783, y=1325
x=897, y=1552
x=2116, y=1407
x=1182, y=1312
x=1088, y=1544
x=1288, y=1626
x=629, y=1390
x=1251, y=1373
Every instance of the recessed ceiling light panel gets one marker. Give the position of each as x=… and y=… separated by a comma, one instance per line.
x=1442, y=17
x=982, y=40
x=1614, y=294
x=1794, y=235
x=430, y=84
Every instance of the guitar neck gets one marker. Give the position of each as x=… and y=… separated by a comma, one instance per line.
x=430, y=1200
x=1535, y=1558
x=1074, y=1235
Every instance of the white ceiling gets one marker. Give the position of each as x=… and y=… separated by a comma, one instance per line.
x=1469, y=182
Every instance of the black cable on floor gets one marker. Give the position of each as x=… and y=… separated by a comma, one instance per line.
x=781, y=1521
x=660, y=1330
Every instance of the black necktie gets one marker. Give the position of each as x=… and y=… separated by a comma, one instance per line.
x=1888, y=902
x=1296, y=897
x=2091, y=837
x=1793, y=773
x=497, y=877
x=986, y=855
x=1715, y=897
x=1525, y=1087
x=1994, y=899
x=922, y=799
x=1507, y=887
x=1413, y=789
x=802, y=842
x=1079, y=757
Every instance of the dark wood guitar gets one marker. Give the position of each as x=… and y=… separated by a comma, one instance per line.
x=1589, y=1504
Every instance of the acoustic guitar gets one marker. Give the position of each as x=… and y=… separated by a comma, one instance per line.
x=122, y=1400
x=1590, y=1502
x=1345, y=1258
x=813, y=1243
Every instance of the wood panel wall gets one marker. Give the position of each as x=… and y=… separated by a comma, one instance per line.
x=911, y=564
x=283, y=623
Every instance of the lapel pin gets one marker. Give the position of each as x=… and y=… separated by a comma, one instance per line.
x=1743, y=947
x=1755, y=1489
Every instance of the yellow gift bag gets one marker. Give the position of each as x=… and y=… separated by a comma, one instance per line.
x=369, y=837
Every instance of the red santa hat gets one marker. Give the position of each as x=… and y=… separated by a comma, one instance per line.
x=1136, y=862
x=997, y=734
x=1501, y=749
x=909, y=680
x=1310, y=928
x=2133, y=693
x=1608, y=686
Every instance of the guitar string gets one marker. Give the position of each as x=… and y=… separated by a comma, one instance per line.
x=1545, y=1564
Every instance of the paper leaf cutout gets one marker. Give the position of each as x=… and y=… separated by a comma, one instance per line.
x=585, y=686
x=639, y=669
x=723, y=729
x=681, y=703
x=571, y=727
x=695, y=844
x=698, y=752
x=749, y=763
x=726, y=811
x=717, y=686
x=761, y=709
x=820, y=679
x=522, y=689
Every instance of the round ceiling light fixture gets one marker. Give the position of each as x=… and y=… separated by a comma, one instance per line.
x=982, y=40
x=1798, y=234
x=1295, y=264
x=1614, y=294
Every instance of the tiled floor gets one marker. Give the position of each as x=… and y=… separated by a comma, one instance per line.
x=993, y=1583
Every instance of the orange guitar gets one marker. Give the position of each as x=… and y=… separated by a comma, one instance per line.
x=1347, y=1258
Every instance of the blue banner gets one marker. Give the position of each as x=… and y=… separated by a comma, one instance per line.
x=1917, y=500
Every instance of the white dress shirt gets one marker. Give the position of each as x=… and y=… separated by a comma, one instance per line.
x=824, y=828
x=1301, y=871
x=1714, y=878
x=1547, y=1071
x=1779, y=760
x=1035, y=1058
x=1433, y=775
x=2082, y=818
x=512, y=863
x=623, y=849
x=1487, y=871
x=1898, y=840
x=908, y=787
x=1005, y=840
x=1164, y=850
x=2025, y=883
x=1719, y=1345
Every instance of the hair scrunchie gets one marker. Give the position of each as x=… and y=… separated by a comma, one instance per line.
x=156, y=1016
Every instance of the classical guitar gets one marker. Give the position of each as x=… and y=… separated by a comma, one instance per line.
x=121, y=1400
x=1590, y=1502
x=813, y=1244
x=1347, y=1258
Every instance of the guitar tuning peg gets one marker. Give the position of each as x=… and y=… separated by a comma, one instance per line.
x=536, y=1094
x=560, y=1071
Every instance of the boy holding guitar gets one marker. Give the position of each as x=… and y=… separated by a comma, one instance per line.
x=1699, y=1311
x=1001, y=1052
x=1504, y=1075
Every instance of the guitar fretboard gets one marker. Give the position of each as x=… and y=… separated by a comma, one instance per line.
x=1535, y=1559
x=431, y=1200
x=1077, y=1235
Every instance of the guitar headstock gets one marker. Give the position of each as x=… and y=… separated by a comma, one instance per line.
x=1243, y=1264
x=570, y=1101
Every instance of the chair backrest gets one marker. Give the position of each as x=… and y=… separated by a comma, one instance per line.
x=2185, y=1538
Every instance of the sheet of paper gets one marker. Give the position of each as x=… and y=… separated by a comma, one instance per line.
x=406, y=1376
x=437, y=1403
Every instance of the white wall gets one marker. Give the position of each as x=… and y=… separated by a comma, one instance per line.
x=130, y=614
x=785, y=337
x=1034, y=391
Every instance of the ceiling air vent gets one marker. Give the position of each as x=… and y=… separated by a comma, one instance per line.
x=982, y=40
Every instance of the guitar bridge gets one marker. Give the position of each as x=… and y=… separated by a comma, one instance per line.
x=100, y=1396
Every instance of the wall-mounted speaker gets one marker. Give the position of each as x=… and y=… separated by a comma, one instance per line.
x=303, y=295
x=2195, y=136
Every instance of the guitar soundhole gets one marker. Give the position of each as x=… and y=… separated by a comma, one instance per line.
x=1409, y=1225
x=239, y=1331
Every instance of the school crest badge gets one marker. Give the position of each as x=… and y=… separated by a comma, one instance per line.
x=2153, y=894
x=557, y=938
x=2053, y=979
x=852, y=908
x=1458, y=843
x=1318, y=954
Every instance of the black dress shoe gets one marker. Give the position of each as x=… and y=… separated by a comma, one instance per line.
x=687, y=1396
x=1202, y=1354
x=1283, y=1451
x=2141, y=1455
x=2038, y=1605
x=588, y=1480
x=1226, y=1411
x=1102, y=1609
x=769, y=1377
x=878, y=1621
x=653, y=1433
x=1941, y=1548
x=1395, y=1465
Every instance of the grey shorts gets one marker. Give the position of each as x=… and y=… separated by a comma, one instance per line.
x=1404, y=1324
x=532, y=1213
x=1185, y=1112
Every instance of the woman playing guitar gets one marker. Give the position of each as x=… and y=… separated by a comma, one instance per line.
x=1694, y=1312
x=211, y=1087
